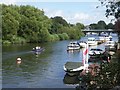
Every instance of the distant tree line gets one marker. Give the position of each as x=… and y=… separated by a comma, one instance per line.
x=101, y=25
x=27, y=24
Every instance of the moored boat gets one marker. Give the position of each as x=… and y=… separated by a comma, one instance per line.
x=73, y=68
x=104, y=57
x=95, y=51
x=92, y=41
x=82, y=44
x=111, y=46
x=73, y=46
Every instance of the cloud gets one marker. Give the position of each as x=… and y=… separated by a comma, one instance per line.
x=53, y=13
x=7, y=2
x=69, y=17
x=80, y=16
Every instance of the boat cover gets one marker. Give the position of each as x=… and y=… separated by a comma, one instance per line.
x=73, y=65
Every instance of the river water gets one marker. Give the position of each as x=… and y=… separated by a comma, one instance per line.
x=42, y=71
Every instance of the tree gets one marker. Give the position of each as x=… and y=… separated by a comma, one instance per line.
x=110, y=26
x=80, y=25
x=112, y=7
x=93, y=26
x=101, y=24
x=117, y=25
x=29, y=24
x=57, y=24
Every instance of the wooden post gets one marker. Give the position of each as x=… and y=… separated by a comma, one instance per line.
x=118, y=44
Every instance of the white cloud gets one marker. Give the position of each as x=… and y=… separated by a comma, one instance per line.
x=81, y=16
x=69, y=17
x=7, y=2
x=53, y=13
x=77, y=17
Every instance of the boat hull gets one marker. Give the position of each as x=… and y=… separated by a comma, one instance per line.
x=73, y=73
x=73, y=68
x=38, y=51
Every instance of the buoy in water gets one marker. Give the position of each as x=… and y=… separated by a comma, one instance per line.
x=19, y=61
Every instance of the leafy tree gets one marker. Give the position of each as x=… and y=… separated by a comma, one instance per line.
x=112, y=7
x=29, y=24
x=57, y=24
x=117, y=26
x=9, y=24
x=60, y=20
x=110, y=26
x=80, y=26
x=93, y=26
x=101, y=24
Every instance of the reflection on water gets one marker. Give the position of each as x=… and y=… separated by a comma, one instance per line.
x=39, y=71
x=70, y=79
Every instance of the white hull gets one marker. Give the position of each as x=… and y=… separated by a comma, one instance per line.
x=73, y=46
x=82, y=44
x=92, y=43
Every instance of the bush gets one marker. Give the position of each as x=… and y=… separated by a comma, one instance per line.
x=65, y=35
x=61, y=36
x=6, y=42
x=18, y=40
x=54, y=37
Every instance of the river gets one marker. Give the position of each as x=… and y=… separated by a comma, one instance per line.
x=43, y=71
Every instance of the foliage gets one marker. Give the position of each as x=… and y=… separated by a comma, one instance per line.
x=94, y=26
x=63, y=36
x=112, y=7
x=29, y=24
x=108, y=76
x=110, y=26
x=101, y=25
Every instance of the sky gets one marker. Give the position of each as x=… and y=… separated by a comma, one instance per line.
x=77, y=11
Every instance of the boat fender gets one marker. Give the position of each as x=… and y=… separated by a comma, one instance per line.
x=18, y=60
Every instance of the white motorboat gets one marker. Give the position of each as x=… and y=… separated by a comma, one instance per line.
x=92, y=41
x=82, y=44
x=73, y=46
x=105, y=38
x=95, y=52
x=111, y=45
x=108, y=38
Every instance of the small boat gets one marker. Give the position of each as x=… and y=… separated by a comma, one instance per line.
x=73, y=68
x=38, y=50
x=82, y=44
x=95, y=51
x=104, y=57
x=108, y=38
x=111, y=46
x=92, y=41
x=73, y=46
